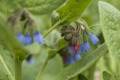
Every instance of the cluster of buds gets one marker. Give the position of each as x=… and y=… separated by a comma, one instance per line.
x=78, y=37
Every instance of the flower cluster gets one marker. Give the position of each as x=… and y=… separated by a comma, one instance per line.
x=28, y=39
x=70, y=55
x=77, y=44
x=28, y=26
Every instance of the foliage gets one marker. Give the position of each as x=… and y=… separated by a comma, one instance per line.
x=103, y=58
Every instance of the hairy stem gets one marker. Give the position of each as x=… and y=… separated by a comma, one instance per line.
x=18, y=69
x=55, y=26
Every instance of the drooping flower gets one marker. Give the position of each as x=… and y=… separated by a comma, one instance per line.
x=77, y=37
x=21, y=37
x=38, y=38
x=93, y=38
x=70, y=59
x=28, y=39
x=77, y=57
x=85, y=47
x=73, y=49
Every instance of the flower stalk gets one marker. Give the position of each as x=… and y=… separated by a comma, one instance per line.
x=18, y=68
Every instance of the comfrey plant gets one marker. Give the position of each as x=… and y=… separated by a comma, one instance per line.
x=36, y=46
x=77, y=36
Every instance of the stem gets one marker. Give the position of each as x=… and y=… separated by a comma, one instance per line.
x=91, y=71
x=18, y=69
x=55, y=26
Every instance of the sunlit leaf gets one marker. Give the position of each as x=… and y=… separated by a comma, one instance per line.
x=42, y=6
x=109, y=18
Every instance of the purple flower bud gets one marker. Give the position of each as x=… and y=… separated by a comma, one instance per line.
x=28, y=39
x=38, y=38
x=85, y=47
x=77, y=57
x=73, y=49
x=20, y=37
x=93, y=38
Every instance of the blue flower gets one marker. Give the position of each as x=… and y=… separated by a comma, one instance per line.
x=70, y=59
x=93, y=38
x=77, y=56
x=85, y=47
x=28, y=39
x=20, y=37
x=38, y=38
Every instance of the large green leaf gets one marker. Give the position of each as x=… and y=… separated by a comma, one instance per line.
x=82, y=65
x=8, y=40
x=34, y=6
x=107, y=76
x=31, y=70
x=72, y=9
x=43, y=6
x=109, y=18
x=53, y=67
x=6, y=65
x=69, y=11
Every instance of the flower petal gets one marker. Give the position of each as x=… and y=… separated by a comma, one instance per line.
x=38, y=38
x=28, y=39
x=20, y=37
x=93, y=38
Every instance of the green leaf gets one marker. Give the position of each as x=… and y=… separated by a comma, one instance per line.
x=82, y=65
x=6, y=65
x=8, y=40
x=72, y=9
x=109, y=18
x=42, y=6
x=82, y=77
x=34, y=48
x=107, y=76
x=53, y=68
x=31, y=70
x=69, y=11
x=34, y=6
x=53, y=38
